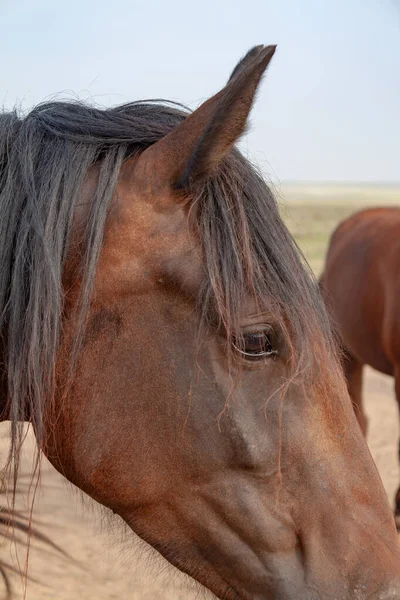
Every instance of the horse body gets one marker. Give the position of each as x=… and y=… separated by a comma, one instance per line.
x=174, y=356
x=361, y=283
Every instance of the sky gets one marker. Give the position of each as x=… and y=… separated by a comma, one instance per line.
x=328, y=109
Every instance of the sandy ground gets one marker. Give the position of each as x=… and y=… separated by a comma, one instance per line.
x=110, y=564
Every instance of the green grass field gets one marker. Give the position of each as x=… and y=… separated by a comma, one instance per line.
x=313, y=211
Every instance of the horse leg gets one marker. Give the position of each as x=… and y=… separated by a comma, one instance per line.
x=353, y=370
x=397, y=497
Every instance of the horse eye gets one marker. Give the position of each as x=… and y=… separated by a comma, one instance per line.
x=255, y=345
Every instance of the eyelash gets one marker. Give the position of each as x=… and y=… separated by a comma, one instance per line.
x=256, y=345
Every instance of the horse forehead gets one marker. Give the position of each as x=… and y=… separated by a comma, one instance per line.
x=143, y=243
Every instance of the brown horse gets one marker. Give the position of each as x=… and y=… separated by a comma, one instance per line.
x=361, y=284
x=173, y=354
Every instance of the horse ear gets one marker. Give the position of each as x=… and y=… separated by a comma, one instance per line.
x=195, y=148
x=246, y=60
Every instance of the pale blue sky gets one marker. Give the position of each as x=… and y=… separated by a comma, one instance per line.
x=329, y=108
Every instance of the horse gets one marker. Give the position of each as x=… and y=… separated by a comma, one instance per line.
x=361, y=284
x=173, y=353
